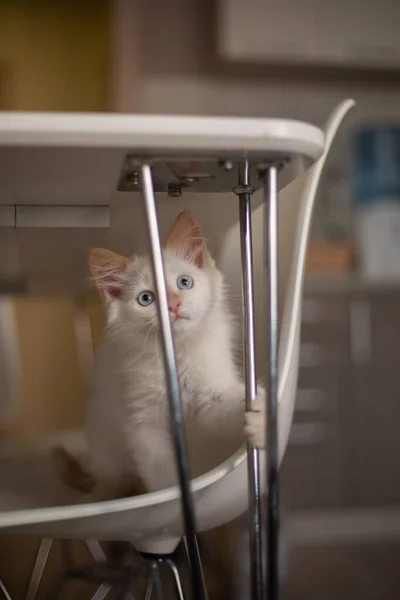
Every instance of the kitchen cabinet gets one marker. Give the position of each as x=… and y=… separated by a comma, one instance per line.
x=344, y=449
x=344, y=33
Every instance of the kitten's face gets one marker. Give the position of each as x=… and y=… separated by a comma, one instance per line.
x=194, y=284
x=191, y=292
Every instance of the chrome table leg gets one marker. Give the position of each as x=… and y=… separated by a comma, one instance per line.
x=150, y=585
x=157, y=580
x=201, y=566
x=96, y=551
x=271, y=276
x=102, y=591
x=244, y=191
x=4, y=591
x=177, y=578
x=38, y=569
x=178, y=430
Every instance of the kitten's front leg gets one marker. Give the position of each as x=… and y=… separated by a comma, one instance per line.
x=255, y=430
x=232, y=404
x=225, y=416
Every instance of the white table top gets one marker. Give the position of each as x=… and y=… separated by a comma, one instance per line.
x=155, y=133
x=59, y=175
x=78, y=159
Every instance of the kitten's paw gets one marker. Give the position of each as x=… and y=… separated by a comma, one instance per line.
x=255, y=423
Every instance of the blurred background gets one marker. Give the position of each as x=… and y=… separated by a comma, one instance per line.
x=292, y=59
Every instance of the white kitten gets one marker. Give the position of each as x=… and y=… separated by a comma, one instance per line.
x=255, y=429
x=127, y=423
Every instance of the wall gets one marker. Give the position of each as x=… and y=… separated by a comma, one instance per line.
x=177, y=69
x=54, y=56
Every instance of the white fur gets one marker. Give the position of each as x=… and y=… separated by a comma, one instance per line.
x=128, y=429
x=255, y=429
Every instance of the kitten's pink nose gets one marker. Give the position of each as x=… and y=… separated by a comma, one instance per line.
x=174, y=305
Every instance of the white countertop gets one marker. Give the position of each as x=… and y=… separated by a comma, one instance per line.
x=77, y=159
x=156, y=133
x=59, y=175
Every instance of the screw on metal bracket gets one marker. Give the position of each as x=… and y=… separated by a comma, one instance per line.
x=186, y=180
x=174, y=190
x=226, y=165
x=279, y=164
x=243, y=189
x=132, y=179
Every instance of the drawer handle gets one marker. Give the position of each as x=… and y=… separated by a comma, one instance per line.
x=307, y=434
x=310, y=400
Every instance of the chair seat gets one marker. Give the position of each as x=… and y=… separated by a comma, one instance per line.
x=33, y=501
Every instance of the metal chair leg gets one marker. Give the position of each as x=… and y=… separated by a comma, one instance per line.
x=4, y=591
x=102, y=591
x=154, y=583
x=96, y=551
x=40, y=564
x=177, y=578
x=157, y=580
x=190, y=565
x=150, y=585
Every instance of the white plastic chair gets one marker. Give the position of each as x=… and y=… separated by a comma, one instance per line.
x=152, y=522
x=296, y=203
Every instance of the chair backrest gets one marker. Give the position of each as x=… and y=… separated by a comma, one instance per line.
x=296, y=203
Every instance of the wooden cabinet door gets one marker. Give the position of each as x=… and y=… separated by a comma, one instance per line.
x=377, y=406
x=312, y=472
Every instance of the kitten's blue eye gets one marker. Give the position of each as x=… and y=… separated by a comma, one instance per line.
x=184, y=282
x=146, y=298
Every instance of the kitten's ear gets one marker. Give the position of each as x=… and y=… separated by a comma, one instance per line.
x=108, y=269
x=187, y=240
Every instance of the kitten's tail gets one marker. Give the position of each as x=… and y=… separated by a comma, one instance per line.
x=71, y=471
